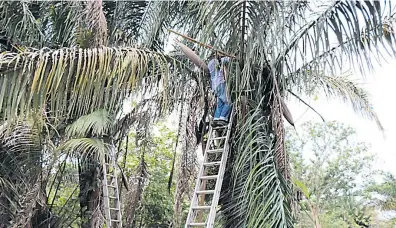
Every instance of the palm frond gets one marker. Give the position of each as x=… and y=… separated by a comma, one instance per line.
x=349, y=31
x=20, y=150
x=86, y=147
x=5, y=184
x=157, y=16
x=73, y=82
x=347, y=90
x=259, y=192
x=61, y=24
x=30, y=204
x=98, y=123
x=19, y=25
x=124, y=20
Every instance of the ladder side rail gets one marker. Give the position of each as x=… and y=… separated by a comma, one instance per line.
x=219, y=182
x=106, y=199
x=200, y=174
x=116, y=191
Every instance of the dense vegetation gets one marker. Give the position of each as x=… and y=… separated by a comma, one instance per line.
x=68, y=71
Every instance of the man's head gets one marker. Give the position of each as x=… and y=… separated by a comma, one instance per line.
x=212, y=55
x=215, y=54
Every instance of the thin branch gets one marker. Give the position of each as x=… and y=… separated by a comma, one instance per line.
x=58, y=172
x=295, y=95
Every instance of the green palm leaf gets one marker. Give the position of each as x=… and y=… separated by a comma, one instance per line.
x=260, y=192
x=349, y=91
x=97, y=123
x=85, y=147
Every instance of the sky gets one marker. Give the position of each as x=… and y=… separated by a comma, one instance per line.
x=380, y=87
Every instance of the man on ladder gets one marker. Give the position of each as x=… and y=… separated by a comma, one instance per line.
x=216, y=67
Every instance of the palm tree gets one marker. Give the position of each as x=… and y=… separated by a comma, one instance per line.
x=52, y=52
x=56, y=70
x=284, y=48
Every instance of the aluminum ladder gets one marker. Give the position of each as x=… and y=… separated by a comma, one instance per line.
x=212, y=169
x=111, y=198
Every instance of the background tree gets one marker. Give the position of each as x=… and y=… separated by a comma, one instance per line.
x=386, y=190
x=65, y=26
x=383, y=194
x=155, y=208
x=331, y=167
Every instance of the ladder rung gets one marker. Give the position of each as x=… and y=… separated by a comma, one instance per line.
x=216, y=138
x=220, y=127
x=197, y=224
x=206, y=192
x=115, y=220
x=201, y=208
x=214, y=151
x=112, y=197
x=209, y=177
x=212, y=163
x=114, y=209
x=111, y=186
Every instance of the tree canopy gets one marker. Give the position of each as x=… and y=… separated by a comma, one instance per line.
x=66, y=64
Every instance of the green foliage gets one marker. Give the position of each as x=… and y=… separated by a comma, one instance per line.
x=279, y=47
x=156, y=208
x=329, y=165
x=63, y=193
x=386, y=191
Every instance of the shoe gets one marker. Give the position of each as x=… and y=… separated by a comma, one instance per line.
x=222, y=123
x=215, y=123
x=223, y=119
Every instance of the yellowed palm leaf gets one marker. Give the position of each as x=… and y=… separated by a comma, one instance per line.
x=75, y=82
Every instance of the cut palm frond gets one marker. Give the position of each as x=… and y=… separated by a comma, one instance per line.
x=190, y=54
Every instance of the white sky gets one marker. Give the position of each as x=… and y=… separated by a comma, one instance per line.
x=380, y=87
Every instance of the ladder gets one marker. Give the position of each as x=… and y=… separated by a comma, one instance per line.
x=111, y=200
x=210, y=177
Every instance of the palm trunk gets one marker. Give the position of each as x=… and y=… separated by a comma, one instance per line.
x=5, y=215
x=89, y=170
x=88, y=173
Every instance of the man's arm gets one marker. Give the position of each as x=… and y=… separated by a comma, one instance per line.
x=211, y=65
x=225, y=59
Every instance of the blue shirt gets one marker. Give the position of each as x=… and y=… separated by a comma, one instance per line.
x=216, y=73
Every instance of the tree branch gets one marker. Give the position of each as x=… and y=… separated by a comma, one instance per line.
x=295, y=95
